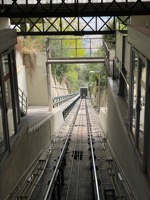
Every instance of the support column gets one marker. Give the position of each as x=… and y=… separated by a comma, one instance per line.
x=48, y=74
x=4, y=23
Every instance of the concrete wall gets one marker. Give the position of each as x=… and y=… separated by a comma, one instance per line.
x=103, y=119
x=111, y=54
x=4, y=23
x=141, y=21
x=139, y=37
x=121, y=142
x=27, y=148
x=57, y=88
x=33, y=138
x=119, y=46
x=36, y=80
x=1, y=129
x=127, y=56
x=103, y=110
x=21, y=73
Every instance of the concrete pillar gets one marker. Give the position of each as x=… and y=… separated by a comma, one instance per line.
x=4, y=23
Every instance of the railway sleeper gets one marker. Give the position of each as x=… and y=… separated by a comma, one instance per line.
x=109, y=193
x=90, y=157
x=121, y=197
x=21, y=197
x=98, y=175
x=44, y=156
x=77, y=155
x=90, y=149
x=91, y=167
x=107, y=185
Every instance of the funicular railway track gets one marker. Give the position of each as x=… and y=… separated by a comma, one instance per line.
x=75, y=174
x=78, y=166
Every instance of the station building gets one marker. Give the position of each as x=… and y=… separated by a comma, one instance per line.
x=128, y=104
x=126, y=122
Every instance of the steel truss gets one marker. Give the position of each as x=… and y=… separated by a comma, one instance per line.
x=77, y=26
x=71, y=17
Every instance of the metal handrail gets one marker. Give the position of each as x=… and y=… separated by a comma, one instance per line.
x=61, y=99
x=117, y=65
x=22, y=101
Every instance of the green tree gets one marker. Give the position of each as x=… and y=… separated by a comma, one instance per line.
x=66, y=47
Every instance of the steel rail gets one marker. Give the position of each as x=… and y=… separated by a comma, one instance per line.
x=106, y=145
x=70, y=175
x=79, y=158
x=92, y=156
x=56, y=171
x=35, y=173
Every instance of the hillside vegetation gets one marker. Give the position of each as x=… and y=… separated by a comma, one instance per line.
x=74, y=75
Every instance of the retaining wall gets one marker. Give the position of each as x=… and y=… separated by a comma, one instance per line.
x=28, y=145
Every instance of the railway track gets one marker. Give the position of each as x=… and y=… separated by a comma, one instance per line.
x=75, y=174
x=78, y=166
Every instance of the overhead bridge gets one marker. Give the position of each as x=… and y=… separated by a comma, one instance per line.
x=75, y=60
x=72, y=8
x=71, y=17
x=58, y=53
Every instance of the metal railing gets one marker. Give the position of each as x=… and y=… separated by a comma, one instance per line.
x=117, y=69
x=108, y=61
x=79, y=47
x=95, y=178
x=22, y=102
x=61, y=99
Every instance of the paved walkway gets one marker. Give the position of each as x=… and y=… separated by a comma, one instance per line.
x=36, y=114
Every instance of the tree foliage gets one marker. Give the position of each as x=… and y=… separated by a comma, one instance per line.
x=67, y=47
x=75, y=75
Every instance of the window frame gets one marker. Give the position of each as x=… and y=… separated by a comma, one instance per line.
x=11, y=74
x=145, y=157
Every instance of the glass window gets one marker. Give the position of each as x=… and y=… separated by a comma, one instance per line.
x=117, y=65
x=134, y=89
x=142, y=104
x=126, y=88
x=2, y=142
x=7, y=88
x=138, y=99
x=15, y=89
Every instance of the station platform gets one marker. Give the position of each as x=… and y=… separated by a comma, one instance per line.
x=35, y=133
x=36, y=114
